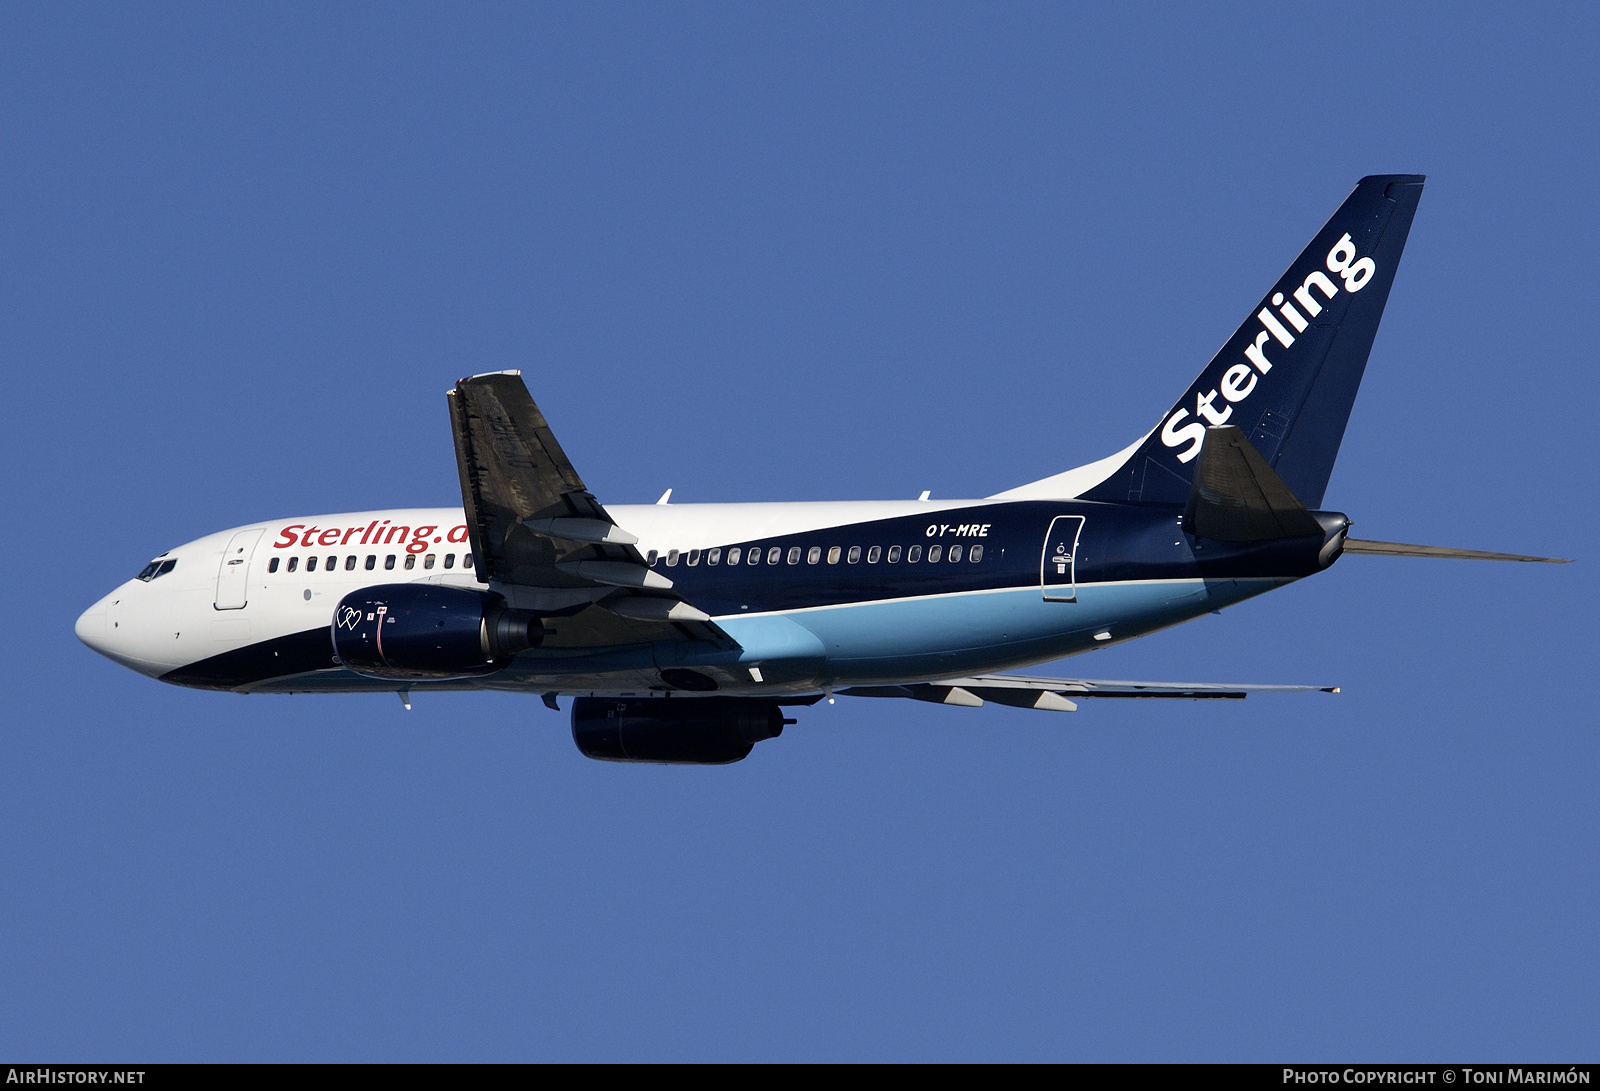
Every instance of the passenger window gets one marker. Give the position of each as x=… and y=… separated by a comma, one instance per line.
x=350, y=563
x=672, y=557
x=894, y=554
x=714, y=556
x=388, y=562
x=372, y=561
x=975, y=554
x=294, y=563
x=873, y=554
x=693, y=558
x=813, y=555
x=411, y=560
x=914, y=554
x=794, y=554
x=272, y=565
x=311, y=564
x=733, y=555
x=933, y=553
x=775, y=552
x=650, y=558
x=854, y=556
x=330, y=564
x=833, y=554
x=955, y=554
x=449, y=560
x=427, y=562
x=466, y=560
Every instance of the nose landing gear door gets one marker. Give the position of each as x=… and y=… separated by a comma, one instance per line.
x=1057, y=578
x=234, y=573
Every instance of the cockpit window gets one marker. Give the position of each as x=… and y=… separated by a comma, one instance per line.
x=157, y=567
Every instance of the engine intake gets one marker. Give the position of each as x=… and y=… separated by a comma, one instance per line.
x=414, y=631
x=675, y=730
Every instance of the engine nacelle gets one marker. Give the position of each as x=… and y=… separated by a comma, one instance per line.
x=674, y=730
x=421, y=631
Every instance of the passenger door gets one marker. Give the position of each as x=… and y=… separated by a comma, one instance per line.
x=1058, y=562
x=234, y=573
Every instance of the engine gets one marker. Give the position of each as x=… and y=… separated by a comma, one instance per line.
x=415, y=631
x=675, y=730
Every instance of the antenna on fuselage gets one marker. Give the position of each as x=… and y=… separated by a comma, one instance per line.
x=664, y=497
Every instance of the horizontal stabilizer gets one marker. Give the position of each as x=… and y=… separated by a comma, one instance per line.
x=1401, y=549
x=1052, y=694
x=1237, y=497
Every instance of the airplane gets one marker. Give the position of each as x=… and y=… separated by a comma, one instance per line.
x=682, y=632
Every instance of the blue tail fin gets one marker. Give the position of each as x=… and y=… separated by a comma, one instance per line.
x=1288, y=377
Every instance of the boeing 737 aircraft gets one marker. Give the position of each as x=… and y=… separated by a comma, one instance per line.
x=683, y=630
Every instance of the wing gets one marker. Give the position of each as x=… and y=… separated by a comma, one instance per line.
x=539, y=534
x=1061, y=694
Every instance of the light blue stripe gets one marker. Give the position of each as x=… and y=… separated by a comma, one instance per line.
x=961, y=633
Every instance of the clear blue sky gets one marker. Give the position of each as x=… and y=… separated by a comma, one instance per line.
x=797, y=252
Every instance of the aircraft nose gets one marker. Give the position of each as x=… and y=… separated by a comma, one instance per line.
x=91, y=627
x=122, y=631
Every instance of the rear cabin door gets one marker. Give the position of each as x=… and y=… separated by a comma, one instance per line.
x=233, y=576
x=1057, y=578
